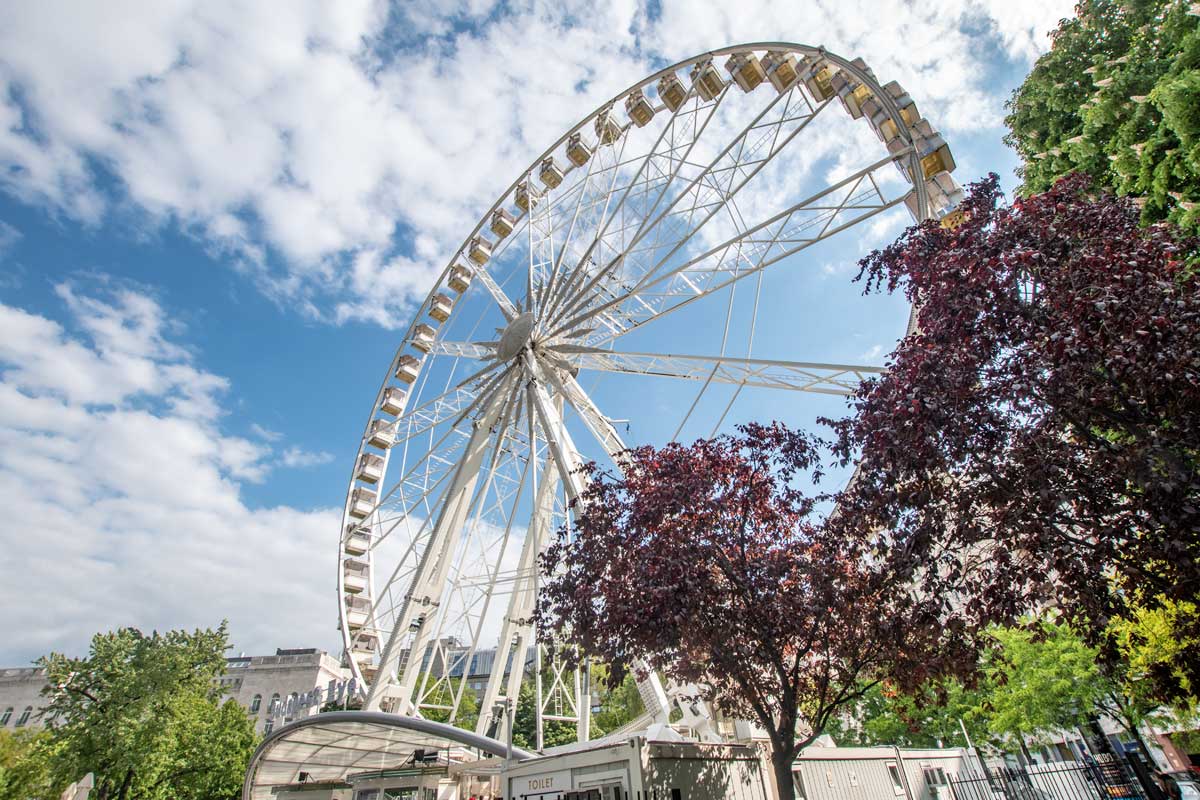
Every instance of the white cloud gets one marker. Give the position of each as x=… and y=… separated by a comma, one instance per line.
x=871, y=354
x=339, y=152
x=9, y=236
x=124, y=495
x=299, y=457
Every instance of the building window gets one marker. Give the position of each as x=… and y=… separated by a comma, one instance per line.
x=256, y=704
x=273, y=708
x=798, y=779
x=7, y=716
x=267, y=728
x=894, y=774
x=24, y=716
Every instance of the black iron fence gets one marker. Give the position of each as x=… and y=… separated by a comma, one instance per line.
x=1113, y=778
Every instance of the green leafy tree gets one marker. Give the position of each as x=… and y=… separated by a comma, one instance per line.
x=619, y=704
x=1118, y=97
x=932, y=717
x=1045, y=678
x=25, y=764
x=554, y=732
x=143, y=713
x=443, y=695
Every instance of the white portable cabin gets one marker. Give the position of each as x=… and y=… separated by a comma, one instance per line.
x=636, y=769
x=877, y=773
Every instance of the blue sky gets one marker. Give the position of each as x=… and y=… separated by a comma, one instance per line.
x=216, y=221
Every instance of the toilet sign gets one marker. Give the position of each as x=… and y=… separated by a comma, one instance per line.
x=549, y=784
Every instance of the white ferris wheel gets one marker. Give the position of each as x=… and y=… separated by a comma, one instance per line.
x=666, y=199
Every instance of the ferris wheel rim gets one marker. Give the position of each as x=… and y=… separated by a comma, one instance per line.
x=918, y=187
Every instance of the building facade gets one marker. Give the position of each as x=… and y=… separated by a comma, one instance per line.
x=21, y=697
x=273, y=689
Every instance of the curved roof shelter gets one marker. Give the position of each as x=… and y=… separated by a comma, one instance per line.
x=334, y=745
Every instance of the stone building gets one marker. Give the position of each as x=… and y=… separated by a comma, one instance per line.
x=284, y=687
x=21, y=697
x=273, y=689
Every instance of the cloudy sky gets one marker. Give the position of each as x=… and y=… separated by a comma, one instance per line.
x=217, y=218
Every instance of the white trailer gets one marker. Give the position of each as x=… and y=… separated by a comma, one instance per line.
x=637, y=769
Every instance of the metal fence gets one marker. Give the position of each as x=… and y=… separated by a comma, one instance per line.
x=1112, y=779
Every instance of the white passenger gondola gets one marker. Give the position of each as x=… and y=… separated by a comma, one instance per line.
x=672, y=91
x=746, y=70
x=408, y=368
x=550, y=174
x=460, y=278
x=393, y=401
x=381, y=433
x=370, y=467
x=851, y=92
x=608, y=130
x=781, y=69
x=578, y=150
x=524, y=197
x=706, y=80
x=358, y=612
x=365, y=645
x=357, y=541
x=638, y=108
x=816, y=74
x=362, y=502
x=422, y=337
x=934, y=152
x=354, y=576
x=479, y=251
x=440, y=307
x=502, y=222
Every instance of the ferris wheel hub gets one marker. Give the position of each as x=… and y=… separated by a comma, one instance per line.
x=516, y=336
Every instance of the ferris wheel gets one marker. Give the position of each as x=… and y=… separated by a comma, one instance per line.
x=657, y=206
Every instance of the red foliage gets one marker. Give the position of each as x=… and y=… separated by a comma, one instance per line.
x=705, y=560
x=1038, y=438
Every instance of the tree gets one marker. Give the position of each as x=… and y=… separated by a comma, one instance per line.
x=443, y=694
x=930, y=716
x=707, y=563
x=144, y=714
x=1117, y=97
x=24, y=764
x=554, y=732
x=1152, y=643
x=1037, y=439
x=619, y=702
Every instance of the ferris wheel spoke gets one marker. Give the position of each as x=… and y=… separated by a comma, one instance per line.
x=657, y=169
x=494, y=506
x=435, y=559
x=703, y=196
x=845, y=204
x=837, y=379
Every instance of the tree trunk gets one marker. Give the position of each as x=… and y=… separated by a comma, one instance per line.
x=781, y=765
